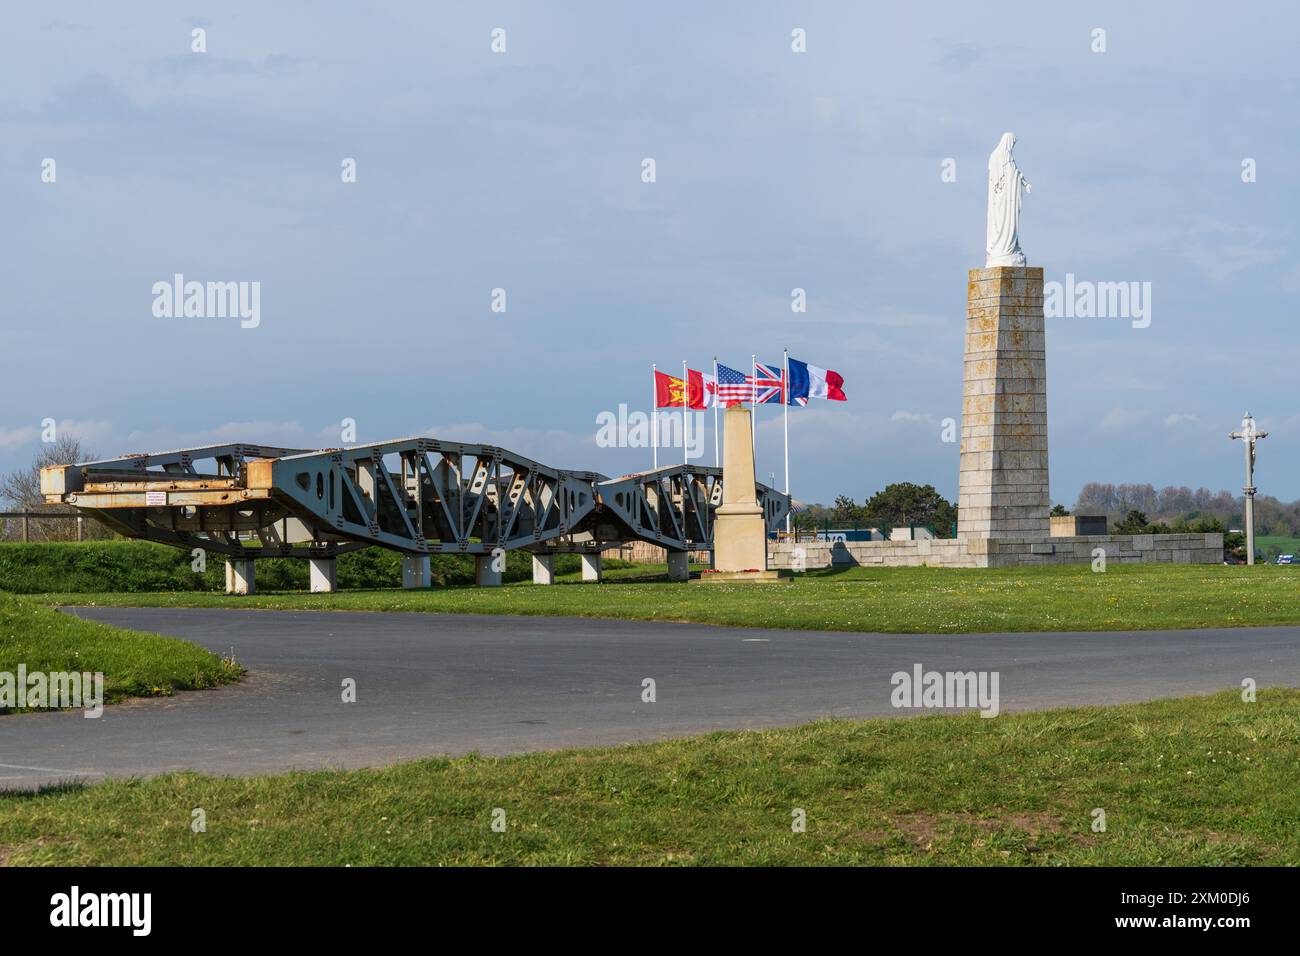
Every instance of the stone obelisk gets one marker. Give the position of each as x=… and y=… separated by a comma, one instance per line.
x=739, y=533
x=1003, y=489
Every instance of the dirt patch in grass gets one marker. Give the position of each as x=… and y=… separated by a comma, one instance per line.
x=924, y=828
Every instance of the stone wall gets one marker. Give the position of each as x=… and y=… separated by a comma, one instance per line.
x=999, y=552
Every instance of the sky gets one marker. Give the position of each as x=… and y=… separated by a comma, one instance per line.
x=522, y=170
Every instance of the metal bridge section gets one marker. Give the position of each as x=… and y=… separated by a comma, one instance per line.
x=419, y=496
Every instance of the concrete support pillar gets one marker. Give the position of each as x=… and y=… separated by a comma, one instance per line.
x=239, y=576
x=543, y=569
x=415, y=570
x=486, y=574
x=591, y=567
x=679, y=567
x=324, y=574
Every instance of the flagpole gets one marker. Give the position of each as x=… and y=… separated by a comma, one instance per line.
x=654, y=411
x=753, y=404
x=717, y=462
x=686, y=413
x=785, y=395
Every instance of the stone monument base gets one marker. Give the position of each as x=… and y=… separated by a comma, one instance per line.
x=738, y=577
x=1202, y=548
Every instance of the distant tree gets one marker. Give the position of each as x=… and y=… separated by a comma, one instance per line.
x=1135, y=522
x=1059, y=511
x=845, y=511
x=904, y=503
x=802, y=519
x=21, y=491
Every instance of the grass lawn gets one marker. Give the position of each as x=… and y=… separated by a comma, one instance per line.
x=133, y=664
x=1271, y=545
x=1197, y=781
x=907, y=600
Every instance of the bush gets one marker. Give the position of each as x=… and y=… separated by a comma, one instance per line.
x=102, y=566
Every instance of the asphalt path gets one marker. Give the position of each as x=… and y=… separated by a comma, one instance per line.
x=447, y=684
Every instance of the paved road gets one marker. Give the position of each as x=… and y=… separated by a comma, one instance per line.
x=446, y=684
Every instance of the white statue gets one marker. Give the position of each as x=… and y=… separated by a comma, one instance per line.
x=1005, y=183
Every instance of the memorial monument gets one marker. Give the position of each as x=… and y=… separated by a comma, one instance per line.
x=1002, y=480
x=1003, y=496
x=739, y=532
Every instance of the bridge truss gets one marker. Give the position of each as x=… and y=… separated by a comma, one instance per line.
x=419, y=496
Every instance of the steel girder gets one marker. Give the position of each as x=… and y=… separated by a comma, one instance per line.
x=415, y=495
x=674, y=506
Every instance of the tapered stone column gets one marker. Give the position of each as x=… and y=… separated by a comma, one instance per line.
x=739, y=535
x=1002, y=485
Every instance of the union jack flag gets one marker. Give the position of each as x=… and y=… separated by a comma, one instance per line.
x=769, y=384
x=734, y=387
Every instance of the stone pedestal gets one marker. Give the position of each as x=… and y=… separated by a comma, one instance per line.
x=415, y=570
x=592, y=568
x=1003, y=490
x=543, y=569
x=324, y=574
x=239, y=576
x=679, y=566
x=739, y=534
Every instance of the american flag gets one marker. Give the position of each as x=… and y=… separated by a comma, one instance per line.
x=770, y=384
x=733, y=387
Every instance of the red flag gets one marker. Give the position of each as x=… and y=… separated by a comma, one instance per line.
x=703, y=389
x=669, y=391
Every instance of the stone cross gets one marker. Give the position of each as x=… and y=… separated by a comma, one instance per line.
x=1249, y=435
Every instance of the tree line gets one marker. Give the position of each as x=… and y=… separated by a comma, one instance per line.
x=1182, y=506
x=896, y=506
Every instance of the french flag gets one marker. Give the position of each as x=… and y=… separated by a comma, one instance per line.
x=809, y=381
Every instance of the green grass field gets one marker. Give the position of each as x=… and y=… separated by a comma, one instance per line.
x=1197, y=781
x=1271, y=545
x=907, y=600
x=133, y=664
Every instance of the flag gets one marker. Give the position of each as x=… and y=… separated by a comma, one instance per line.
x=823, y=383
x=769, y=384
x=670, y=391
x=799, y=383
x=733, y=387
x=703, y=389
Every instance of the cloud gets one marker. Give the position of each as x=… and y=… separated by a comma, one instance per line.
x=904, y=416
x=1178, y=418
x=1124, y=418
x=17, y=437
x=1220, y=249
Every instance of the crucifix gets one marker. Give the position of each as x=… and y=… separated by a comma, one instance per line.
x=1249, y=435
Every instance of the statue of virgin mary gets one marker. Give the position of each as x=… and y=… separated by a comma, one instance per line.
x=1005, y=183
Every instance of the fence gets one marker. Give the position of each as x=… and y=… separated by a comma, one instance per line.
x=27, y=517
